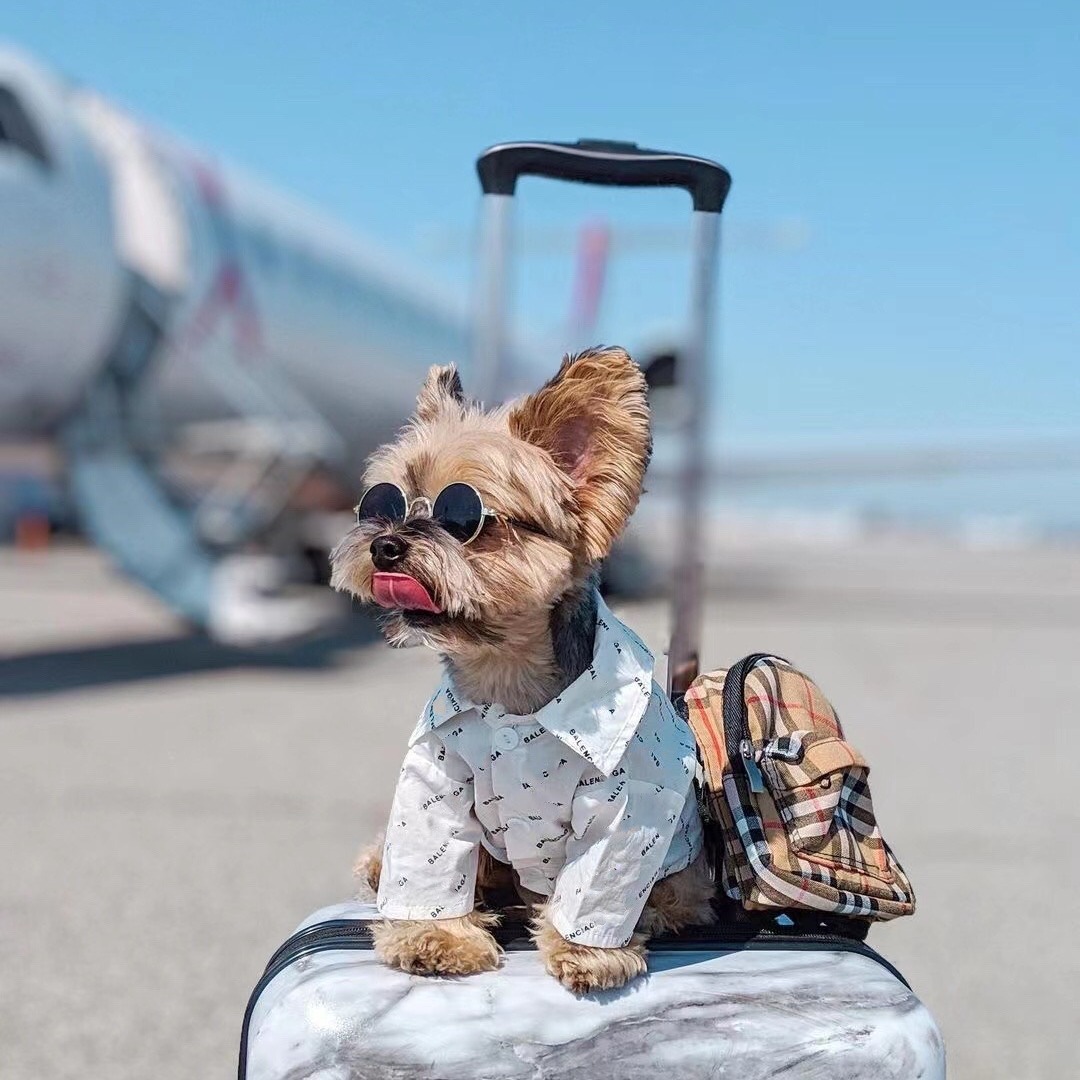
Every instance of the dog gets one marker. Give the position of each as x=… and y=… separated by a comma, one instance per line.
x=548, y=752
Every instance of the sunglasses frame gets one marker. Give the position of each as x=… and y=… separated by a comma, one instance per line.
x=428, y=506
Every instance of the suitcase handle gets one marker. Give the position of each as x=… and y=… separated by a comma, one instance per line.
x=619, y=164
x=607, y=162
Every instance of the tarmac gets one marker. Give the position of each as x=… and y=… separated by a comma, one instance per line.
x=170, y=810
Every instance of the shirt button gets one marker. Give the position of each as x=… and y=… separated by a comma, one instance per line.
x=506, y=738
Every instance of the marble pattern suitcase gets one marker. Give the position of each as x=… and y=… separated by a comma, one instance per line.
x=715, y=1003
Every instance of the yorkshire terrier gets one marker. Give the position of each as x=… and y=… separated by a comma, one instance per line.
x=548, y=753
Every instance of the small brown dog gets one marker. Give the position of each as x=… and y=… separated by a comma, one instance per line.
x=548, y=749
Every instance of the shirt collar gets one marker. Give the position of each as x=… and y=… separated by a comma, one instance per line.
x=596, y=715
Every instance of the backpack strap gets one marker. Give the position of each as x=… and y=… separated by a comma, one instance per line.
x=735, y=720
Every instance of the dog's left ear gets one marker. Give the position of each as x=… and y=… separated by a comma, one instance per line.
x=441, y=391
x=593, y=419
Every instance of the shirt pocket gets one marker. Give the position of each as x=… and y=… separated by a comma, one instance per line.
x=820, y=786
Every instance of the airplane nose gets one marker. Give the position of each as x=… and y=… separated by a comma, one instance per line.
x=387, y=551
x=62, y=280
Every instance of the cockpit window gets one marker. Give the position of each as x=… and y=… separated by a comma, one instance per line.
x=17, y=129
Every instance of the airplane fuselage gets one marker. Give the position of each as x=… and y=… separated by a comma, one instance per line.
x=261, y=297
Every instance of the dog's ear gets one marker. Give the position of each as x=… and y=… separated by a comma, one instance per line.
x=441, y=392
x=593, y=419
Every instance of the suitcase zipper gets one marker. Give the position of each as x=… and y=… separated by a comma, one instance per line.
x=331, y=928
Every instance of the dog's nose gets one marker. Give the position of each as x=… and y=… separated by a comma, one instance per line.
x=387, y=551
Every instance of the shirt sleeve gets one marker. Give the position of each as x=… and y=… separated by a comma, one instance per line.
x=432, y=837
x=622, y=830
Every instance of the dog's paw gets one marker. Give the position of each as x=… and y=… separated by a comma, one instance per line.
x=583, y=968
x=460, y=946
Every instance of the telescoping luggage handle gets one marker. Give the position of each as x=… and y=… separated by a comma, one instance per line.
x=602, y=161
x=621, y=164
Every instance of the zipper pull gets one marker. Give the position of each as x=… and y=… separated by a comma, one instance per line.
x=753, y=770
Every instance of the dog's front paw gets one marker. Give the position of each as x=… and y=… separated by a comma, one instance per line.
x=460, y=946
x=582, y=968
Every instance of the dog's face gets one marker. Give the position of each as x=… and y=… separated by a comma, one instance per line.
x=561, y=471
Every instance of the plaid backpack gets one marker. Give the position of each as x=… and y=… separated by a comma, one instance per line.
x=789, y=797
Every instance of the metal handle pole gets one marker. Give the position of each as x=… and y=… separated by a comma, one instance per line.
x=488, y=381
x=689, y=567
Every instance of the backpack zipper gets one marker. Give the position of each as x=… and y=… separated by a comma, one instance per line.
x=750, y=762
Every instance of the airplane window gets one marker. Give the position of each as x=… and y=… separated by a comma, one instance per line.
x=16, y=128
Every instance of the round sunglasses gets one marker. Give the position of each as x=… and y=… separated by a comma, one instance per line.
x=458, y=508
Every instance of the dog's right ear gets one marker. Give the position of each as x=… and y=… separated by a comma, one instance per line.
x=441, y=392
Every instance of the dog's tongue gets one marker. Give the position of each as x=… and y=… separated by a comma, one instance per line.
x=402, y=591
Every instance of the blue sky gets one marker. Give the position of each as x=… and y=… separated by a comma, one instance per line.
x=932, y=151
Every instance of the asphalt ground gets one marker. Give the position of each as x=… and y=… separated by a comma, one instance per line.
x=169, y=810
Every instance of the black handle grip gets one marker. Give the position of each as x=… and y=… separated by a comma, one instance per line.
x=600, y=161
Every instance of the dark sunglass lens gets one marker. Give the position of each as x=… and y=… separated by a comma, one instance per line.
x=383, y=501
x=459, y=511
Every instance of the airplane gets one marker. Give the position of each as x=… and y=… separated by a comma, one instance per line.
x=151, y=296
x=215, y=360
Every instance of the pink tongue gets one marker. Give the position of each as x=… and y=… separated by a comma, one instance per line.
x=402, y=591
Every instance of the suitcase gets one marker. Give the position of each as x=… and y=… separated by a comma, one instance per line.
x=741, y=999
x=719, y=1002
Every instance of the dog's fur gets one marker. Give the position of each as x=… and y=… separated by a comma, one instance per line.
x=518, y=608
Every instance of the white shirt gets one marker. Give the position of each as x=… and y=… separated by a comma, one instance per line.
x=590, y=799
